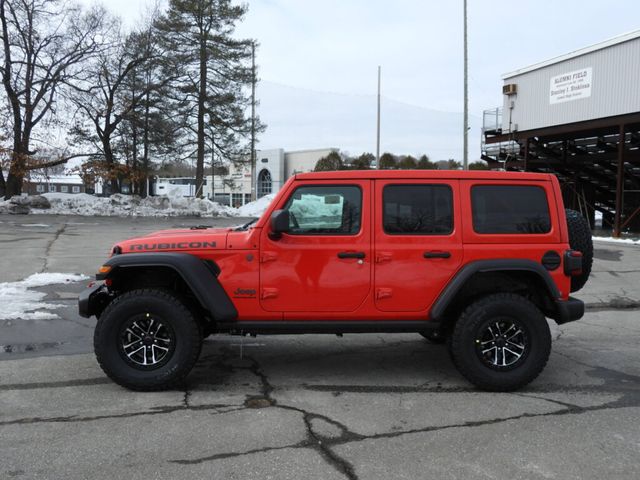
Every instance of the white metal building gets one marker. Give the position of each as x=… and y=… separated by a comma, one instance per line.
x=578, y=116
x=594, y=82
x=273, y=168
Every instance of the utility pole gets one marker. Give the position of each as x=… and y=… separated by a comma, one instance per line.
x=213, y=167
x=253, y=121
x=465, y=154
x=378, y=124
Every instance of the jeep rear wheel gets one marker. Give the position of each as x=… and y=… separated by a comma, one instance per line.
x=501, y=342
x=147, y=340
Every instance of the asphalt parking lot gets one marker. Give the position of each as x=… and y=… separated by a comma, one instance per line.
x=361, y=406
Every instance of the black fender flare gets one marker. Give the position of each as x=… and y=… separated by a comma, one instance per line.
x=482, y=266
x=198, y=275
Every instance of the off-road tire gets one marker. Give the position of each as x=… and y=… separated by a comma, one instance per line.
x=580, y=240
x=434, y=336
x=463, y=341
x=172, y=311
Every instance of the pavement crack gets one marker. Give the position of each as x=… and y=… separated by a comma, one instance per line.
x=185, y=399
x=47, y=251
x=218, y=409
x=222, y=456
x=549, y=400
x=323, y=445
x=266, y=389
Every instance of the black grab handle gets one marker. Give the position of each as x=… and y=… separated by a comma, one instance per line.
x=350, y=254
x=437, y=254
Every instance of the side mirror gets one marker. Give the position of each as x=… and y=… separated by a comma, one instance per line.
x=279, y=224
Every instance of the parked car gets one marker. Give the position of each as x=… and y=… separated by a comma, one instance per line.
x=476, y=259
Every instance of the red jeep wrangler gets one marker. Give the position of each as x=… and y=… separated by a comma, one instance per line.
x=475, y=258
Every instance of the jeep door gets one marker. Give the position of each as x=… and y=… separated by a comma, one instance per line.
x=323, y=263
x=418, y=242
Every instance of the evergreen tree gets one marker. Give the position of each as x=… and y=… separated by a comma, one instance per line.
x=149, y=129
x=214, y=72
x=363, y=162
x=479, y=165
x=331, y=162
x=425, y=164
x=408, y=163
x=387, y=161
x=450, y=164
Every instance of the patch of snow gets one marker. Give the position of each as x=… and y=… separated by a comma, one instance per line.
x=18, y=301
x=131, y=205
x=35, y=225
x=627, y=241
x=257, y=208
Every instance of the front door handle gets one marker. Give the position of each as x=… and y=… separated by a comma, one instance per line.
x=437, y=254
x=351, y=255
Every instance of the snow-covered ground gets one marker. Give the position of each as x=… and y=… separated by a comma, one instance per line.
x=130, y=205
x=627, y=241
x=18, y=300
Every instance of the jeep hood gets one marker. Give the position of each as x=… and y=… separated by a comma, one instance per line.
x=176, y=240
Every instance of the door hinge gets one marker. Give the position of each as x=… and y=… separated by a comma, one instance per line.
x=383, y=293
x=268, y=293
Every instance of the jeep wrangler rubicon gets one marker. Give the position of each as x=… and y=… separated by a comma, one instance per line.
x=477, y=259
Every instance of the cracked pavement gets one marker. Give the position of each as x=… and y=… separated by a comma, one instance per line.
x=314, y=406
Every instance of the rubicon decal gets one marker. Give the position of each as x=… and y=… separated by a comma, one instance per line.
x=170, y=246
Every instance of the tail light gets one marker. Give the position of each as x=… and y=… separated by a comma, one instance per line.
x=572, y=262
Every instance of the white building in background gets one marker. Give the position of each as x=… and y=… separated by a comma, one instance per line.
x=233, y=189
x=185, y=186
x=275, y=166
x=273, y=169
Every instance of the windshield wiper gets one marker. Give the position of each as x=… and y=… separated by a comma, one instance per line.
x=247, y=225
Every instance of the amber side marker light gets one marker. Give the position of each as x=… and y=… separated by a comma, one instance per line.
x=104, y=269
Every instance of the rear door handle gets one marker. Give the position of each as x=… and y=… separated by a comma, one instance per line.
x=351, y=255
x=435, y=254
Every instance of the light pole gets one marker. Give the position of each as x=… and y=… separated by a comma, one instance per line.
x=253, y=121
x=465, y=154
x=378, y=123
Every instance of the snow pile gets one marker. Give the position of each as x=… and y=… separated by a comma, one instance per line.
x=172, y=204
x=628, y=241
x=257, y=208
x=119, y=205
x=18, y=301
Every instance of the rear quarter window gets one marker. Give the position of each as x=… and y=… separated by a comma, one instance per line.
x=510, y=209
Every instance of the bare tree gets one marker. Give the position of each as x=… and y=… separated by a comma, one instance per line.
x=45, y=44
x=110, y=96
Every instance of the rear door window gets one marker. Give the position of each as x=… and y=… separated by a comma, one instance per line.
x=418, y=209
x=510, y=209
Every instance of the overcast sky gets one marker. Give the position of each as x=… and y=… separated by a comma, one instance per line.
x=336, y=45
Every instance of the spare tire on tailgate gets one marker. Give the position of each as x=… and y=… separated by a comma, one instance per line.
x=580, y=240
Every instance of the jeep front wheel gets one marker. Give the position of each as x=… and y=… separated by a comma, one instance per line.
x=501, y=342
x=147, y=340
